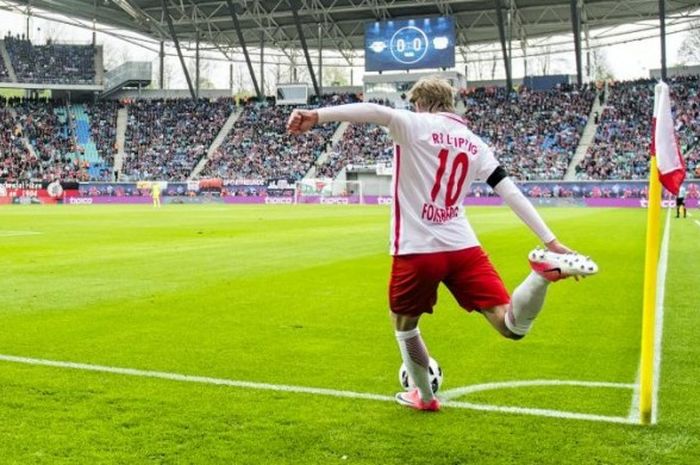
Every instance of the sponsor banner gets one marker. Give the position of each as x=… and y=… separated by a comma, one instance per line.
x=483, y=201
x=279, y=200
x=234, y=199
x=637, y=203
x=244, y=182
x=131, y=189
x=352, y=199
x=102, y=199
x=194, y=199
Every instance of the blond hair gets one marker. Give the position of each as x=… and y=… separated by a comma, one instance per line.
x=432, y=94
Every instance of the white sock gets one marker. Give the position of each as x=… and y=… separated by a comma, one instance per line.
x=527, y=302
x=415, y=357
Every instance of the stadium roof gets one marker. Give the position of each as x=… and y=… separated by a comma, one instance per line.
x=342, y=21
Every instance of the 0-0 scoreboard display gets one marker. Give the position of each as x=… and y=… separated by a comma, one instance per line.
x=405, y=44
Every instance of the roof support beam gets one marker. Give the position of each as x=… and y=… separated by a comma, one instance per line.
x=169, y=20
x=241, y=42
x=504, y=47
x=294, y=5
x=576, y=26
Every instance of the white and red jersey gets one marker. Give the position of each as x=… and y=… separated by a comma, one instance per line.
x=436, y=158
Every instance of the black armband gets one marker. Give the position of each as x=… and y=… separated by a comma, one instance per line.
x=498, y=175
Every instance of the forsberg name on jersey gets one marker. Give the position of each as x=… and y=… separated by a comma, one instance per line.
x=458, y=142
x=438, y=215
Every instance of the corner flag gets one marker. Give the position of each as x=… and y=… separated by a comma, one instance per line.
x=664, y=142
x=665, y=167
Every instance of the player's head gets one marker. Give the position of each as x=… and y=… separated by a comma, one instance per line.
x=432, y=94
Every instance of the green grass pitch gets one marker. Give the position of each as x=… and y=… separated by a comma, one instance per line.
x=296, y=295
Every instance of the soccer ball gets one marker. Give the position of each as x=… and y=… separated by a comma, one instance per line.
x=434, y=375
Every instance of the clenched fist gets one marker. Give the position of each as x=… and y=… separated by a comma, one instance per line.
x=301, y=121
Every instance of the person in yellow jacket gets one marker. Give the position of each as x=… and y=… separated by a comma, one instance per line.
x=155, y=194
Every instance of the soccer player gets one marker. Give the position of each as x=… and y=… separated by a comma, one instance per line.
x=155, y=194
x=436, y=157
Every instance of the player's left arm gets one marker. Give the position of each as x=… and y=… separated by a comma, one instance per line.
x=514, y=198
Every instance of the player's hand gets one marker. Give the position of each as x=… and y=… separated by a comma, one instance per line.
x=301, y=121
x=556, y=246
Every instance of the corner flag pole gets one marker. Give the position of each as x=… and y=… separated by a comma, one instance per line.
x=651, y=261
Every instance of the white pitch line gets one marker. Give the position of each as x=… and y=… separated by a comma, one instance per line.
x=333, y=392
x=634, y=413
x=462, y=391
x=697, y=222
x=193, y=379
x=18, y=233
x=659, y=322
x=539, y=412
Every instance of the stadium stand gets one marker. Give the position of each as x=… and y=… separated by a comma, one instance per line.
x=16, y=163
x=362, y=144
x=103, y=129
x=52, y=152
x=622, y=142
x=165, y=139
x=51, y=63
x=4, y=75
x=533, y=133
x=258, y=147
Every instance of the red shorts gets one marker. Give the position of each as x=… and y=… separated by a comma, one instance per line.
x=467, y=273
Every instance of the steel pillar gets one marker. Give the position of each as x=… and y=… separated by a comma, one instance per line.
x=504, y=46
x=171, y=28
x=576, y=26
x=241, y=42
x=295, y=5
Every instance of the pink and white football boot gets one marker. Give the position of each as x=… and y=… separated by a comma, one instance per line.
x=412, y=399
x=554, y=266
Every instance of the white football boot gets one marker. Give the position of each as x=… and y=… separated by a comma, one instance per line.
x=554, y=266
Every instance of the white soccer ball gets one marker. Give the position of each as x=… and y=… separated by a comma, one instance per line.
x=434, y=375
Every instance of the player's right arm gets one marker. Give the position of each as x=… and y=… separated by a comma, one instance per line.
x=301, y=121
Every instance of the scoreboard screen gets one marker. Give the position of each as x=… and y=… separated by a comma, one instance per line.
x=410, y=44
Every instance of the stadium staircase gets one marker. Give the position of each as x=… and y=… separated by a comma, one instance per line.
x=586, y=140
x=122, y=119
x=337, y=136
x=81, y=124
x=8, y=62
x=216, y=143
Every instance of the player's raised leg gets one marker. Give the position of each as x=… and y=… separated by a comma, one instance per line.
x=515, y=320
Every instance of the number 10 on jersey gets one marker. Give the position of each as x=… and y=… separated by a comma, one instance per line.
x=455, y=178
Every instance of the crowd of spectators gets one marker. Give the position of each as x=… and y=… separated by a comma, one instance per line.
x=361, y=145
x=51, y=63
x=53, y=149
x=534, y=133
x=622, y=142
x=165, y=139
x=258, y=146
x=103, y=128
x=4, y=75
x=15, y=162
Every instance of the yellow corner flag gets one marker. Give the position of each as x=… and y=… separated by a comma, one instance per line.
x=666, y=167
